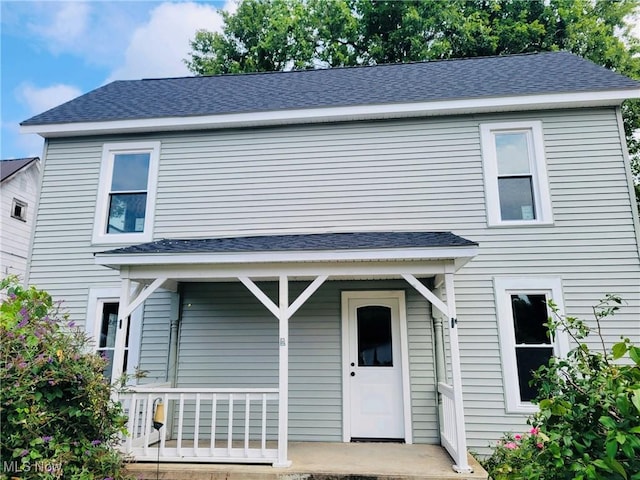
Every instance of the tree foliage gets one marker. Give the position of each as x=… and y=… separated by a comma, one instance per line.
x=268, y=35
x=588, y=425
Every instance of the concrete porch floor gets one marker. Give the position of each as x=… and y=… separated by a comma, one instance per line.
x=328, y=461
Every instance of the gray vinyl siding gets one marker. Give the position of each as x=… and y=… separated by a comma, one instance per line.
x=414, y=174
x=228, y=339
x=154, y=341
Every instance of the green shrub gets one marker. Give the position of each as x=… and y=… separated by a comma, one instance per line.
x=588, y=425
x=58, y=419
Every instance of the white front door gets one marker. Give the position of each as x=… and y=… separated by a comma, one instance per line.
x=373, y=357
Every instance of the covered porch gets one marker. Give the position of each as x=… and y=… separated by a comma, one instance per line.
x=222, y=425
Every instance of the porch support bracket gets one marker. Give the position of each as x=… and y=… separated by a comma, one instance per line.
x=426, y=293
x=140, y=294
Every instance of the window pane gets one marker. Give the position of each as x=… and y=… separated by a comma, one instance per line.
x=130, y=172
x=512, y=150
x=108, y=354
x=109, y=325
x=374, y=337
x=529, y=316
x=516, y=198
x=126, y=212
x=529, y=359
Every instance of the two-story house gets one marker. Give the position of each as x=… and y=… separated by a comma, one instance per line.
x=338, y=255
x=19, y=182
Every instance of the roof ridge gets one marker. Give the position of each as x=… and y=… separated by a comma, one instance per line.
x=351, y=67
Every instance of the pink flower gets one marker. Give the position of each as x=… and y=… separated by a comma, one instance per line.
x=517, y=436
x=539, y=445
x=534, y=431
x=510, y=445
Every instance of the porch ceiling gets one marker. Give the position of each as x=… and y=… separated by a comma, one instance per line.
x=339, y=255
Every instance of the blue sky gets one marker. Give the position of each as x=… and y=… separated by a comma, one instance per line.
x=51, y=52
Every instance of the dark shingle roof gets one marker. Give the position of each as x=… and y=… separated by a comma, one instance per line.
x=320, y=241
x=527, y=74
x=9, y=167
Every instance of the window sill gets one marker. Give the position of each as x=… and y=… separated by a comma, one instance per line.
x=522, y=409
x=516, y=224
x=121, y=239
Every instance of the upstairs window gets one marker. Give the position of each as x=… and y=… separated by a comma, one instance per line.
x=126, y=198
x=19, y=210
x=516, y=184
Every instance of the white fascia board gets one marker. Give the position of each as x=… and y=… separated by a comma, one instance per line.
x=114, y=260
x=338, y=114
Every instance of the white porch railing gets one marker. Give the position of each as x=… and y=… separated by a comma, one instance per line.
x=202, y=424
x=448, y=421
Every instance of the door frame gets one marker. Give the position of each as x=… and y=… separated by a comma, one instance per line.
x=404, y=355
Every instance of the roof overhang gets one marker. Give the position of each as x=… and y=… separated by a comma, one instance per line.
x=338, y=114
x=357, y=263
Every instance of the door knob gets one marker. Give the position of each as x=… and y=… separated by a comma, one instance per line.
x=353, y=364
x=353, y=374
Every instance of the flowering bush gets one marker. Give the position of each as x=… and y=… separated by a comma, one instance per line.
x=514, y=453
x=588, y=425
x=57, y=416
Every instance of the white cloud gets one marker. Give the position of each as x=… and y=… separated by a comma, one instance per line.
x=41, y=99
x=66, y=28
x=158, y=47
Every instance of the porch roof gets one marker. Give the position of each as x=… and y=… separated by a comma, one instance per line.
x=323, y=247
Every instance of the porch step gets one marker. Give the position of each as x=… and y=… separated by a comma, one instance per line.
x=327, y=461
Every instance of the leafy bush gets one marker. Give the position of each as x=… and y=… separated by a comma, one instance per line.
x=588, y=425
x=58, y=419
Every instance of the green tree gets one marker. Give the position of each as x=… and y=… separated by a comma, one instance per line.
x=268, y=35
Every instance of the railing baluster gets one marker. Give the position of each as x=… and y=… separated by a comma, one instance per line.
x=230, y=425
x=263, y=439
x=163, y=431
x=146, y=431
x=247, y=412
x=180, y=424
x=196, y=427
x=214, y=407
x=133, y=407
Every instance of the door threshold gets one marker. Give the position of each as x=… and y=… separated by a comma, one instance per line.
x=376, y=440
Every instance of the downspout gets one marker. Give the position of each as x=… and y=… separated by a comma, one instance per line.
x=438, y=340
x=172, y=358
x=174, y=329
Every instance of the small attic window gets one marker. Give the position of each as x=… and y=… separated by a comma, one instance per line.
x=19, y=210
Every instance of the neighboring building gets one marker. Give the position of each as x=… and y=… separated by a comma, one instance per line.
x=343, y=254
x=19, y=182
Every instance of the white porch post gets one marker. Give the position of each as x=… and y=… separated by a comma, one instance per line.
x=283, y=375
x=462, y=464
x=117, y=368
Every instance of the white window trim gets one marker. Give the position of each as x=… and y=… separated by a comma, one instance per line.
x=503, y=287
x=542, y=197
x=23, y=208
x=97, y=298
x=109, y=150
